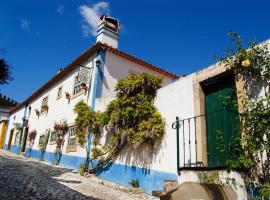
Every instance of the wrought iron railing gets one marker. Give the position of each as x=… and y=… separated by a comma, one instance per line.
x=187, y=131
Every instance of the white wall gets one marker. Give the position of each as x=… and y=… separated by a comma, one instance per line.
x=14, y=118
x=59, y=109
x=117, y=68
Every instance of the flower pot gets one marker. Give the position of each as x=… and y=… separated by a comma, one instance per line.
x=83, y=86
x=45, y=107
x=67, y=95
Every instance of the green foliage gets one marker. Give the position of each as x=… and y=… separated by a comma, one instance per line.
x=252, y=62
x=43, y=145
x=210, y=178
x=87, y=122
x=131, y=119
x=252, y=148
x=18, y=127
x=61, y=129
x=83, y=168
x=134, y=183
x=5, y=73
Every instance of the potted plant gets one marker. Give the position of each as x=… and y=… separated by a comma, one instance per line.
x=67, y=95
x=83, y=86
x=45, y=107
x=135, y=187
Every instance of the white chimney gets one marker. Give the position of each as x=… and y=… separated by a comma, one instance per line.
x=108, y=31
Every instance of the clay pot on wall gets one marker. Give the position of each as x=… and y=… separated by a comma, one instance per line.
x=83, y=86
x=67, y=95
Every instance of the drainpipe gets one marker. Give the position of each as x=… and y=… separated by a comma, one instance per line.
x=23, y=124
x=97, y=90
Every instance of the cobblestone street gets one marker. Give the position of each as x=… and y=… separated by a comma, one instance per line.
x=25, y=178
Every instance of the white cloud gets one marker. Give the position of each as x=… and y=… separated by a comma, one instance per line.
x=91, y=17
x=25, y=24
x=60, y=9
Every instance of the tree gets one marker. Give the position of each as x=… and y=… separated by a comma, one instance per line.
x=5, y=73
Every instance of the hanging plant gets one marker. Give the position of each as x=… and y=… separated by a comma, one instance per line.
x=45, y=107
x=61, y=130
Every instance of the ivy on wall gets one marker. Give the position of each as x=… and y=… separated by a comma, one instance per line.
x=252, y=148
x=131, y=119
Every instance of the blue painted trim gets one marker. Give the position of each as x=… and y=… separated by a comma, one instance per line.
x=23, y=122
x=71, y=162
x=121, y=174
x=15, y=149
x=93, y=101
x=5, y=146
x=102, y=54
x=98, y=77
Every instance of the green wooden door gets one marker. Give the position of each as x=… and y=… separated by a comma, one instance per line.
x=222, y=120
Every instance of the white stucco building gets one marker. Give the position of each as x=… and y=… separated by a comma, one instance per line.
x=189, y=98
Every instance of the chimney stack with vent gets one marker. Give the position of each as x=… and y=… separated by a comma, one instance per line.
x=108, y=31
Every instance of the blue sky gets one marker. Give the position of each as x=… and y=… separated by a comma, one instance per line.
x=180, y=36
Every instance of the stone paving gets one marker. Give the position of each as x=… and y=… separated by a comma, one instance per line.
x=26, y=178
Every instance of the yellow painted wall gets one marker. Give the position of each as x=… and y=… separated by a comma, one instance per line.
x=3, y=133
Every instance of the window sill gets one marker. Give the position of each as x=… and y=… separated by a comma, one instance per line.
x=71, y=149
x=76, y=95
x=52, y=142
x=43, y=113
x=57, y=98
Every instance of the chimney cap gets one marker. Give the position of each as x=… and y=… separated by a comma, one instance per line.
x=110, y=19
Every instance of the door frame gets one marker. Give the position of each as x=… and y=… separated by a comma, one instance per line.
x=10, y=138
x=198, y=80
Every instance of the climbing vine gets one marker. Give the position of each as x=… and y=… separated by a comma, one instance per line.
x=251, y=63
x=61, y=130
x=43, y=144
x=88, y=122
x=131, y=119
x=31, y=137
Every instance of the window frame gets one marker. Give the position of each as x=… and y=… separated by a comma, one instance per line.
x=59, y=96
x=76, y=84
x=72, y=148
x=41, y=136
x=41, y=109
x=53, y=141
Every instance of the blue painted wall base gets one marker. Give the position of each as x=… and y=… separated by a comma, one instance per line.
x=15, y=149
x=121, y=174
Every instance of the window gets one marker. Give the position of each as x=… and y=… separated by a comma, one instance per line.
x=17, y=139
x=42, y=139
x=44, y=104
x=53, y=136
x=59, y=92
x=77, y=85
x=72, y=136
